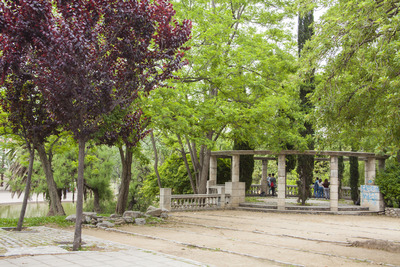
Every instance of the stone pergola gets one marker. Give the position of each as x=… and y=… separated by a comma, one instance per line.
x=370, y=196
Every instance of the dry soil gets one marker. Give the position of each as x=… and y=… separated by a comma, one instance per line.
x=243, y=238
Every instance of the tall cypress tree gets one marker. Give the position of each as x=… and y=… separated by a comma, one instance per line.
x=354, y=177
x=305, y=163
x=340, y=172
x=246, y=163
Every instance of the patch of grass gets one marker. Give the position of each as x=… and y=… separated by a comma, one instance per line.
x=253, y=199
x=37, y=221
x=154, y=220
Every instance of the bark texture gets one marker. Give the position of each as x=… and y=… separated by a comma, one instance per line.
x=79, y=198
x=56, y=207
x=126, y=158
x=27, y=189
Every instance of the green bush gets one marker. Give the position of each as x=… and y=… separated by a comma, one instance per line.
x=389, y=184
x=224, y=173
x=173, y=175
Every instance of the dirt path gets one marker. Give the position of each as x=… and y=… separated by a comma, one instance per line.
x=239, y=238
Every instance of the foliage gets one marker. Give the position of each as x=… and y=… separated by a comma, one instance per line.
x=138, y=200
x=224, y=172
x=322, y=170
x=92, y=57
x=234, y=82
x=173, y=175
x=107, y=206
x=388, y=181
x=355, y=52
x=340, y=171
x=354, y=178
x=305, y=163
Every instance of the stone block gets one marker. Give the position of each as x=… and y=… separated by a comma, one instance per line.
x=105, y=224
x=371, y=197
x=155, y=212
x=132, y=214
x=140, y=221
x=128, y=219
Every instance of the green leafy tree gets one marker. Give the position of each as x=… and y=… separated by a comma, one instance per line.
x=124, y=129
x=355, y=50
x=233, y=85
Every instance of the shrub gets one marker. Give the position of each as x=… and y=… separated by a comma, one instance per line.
x=389, y=184
x=173, y=175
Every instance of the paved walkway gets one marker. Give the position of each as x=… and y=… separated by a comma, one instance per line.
x=44, y=246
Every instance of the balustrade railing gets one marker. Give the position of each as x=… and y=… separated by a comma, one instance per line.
x=293, y=191
x=199, y=201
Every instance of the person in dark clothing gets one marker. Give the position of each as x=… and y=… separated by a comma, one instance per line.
x=326, y=184
x=273, y=184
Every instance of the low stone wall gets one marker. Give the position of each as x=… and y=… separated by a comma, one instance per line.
x=392, y=212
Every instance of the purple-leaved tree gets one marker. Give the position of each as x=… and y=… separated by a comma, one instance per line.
x=93, y=56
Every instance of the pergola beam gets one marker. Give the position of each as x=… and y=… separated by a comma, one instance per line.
x=295, y=152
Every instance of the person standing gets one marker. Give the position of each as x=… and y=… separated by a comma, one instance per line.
x=320, y=188
x=269, y=184
x=316, y=187
x=273, y=184
x=326, y=184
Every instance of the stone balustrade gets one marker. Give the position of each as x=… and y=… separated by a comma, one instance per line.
x=193, y=201
x=292, y=191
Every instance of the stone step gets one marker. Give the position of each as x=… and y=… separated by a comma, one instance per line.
x=316, y=208
x=307, y=211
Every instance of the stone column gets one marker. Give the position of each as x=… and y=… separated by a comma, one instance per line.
x=222, y=198
x=165, y=198
x=235, y=188
x=370, y=171
x=264, y=184
x=235, y=168
x=334, y=186
x=281, y=182
x=370, y=194
x=213, y=173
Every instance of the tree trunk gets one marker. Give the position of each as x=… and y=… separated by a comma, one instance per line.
x=56, y=207
x=27, y=188
x=183, y=154
x=195, y=162
x=79, y=198
x=205, y=164
x=153, y=141
x=125, y=180
x=96, y=201
x=305, y=168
